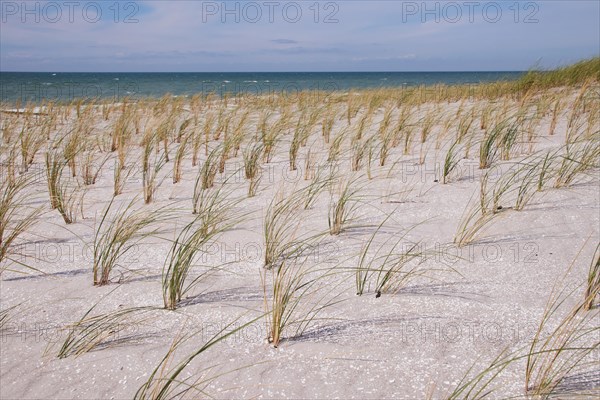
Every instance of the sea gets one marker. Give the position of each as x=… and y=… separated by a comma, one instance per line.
x=38, y=87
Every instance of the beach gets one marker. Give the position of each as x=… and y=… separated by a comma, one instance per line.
x=362, y=243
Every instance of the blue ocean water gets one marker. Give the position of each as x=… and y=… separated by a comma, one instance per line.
x=35, y=87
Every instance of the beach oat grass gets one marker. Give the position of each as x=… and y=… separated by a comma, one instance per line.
x=393, y=264
x=343, y=208
x=324, y=177
x=365, y=264
x=16, y=216
x=31, y=141
x=294, y=293
x=215, y=207
x=570, y=347
x=182, y=258
x=153, y=160
x=93, y=332
x=165, y=381
x=252, y=155
x=592, y=290
x=91, y=164
x=451, y=161
x=577, y=159
x=208, y=171
x=563, y=346
x=6, y=316
x=66, y=193
x=179, y=155
x=280, y=226
x=115, y=238
x=488, y=147
x=335, y=147
x=474, y=220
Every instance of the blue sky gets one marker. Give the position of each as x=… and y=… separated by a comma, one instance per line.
x=198, y=36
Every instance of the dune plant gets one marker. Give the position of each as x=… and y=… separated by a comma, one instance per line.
x=252, y=169
x=342, y=210
x=427, y=124
x=206, y=129
x=227, y=146
x=488, y=148
x=486, y=111
x=335, y=146
x=562, y=346
x=31, y=141
x=272, y=135
x=546, y=166
x=365, y=265
x=446, y=126
x=300, y=134
x=352, y=107
x=359, y=149
x=70, y=196
x=506, y=185
x=578, y=158
x=386, y=121
x=55, y=165
x=593, y=282
x=293, y=296
x=182, y=258
x=508, y=138
x=574, y=122
x=208, y=171
x=215, y=208
x=183, y=128
x=165, y=381
x=98, y=331
x=397, y=269
x=263, y=123
x=15, y=216
x=568, y=348
x=8, y=127
x=223, y=121
x=387, y=139
x=323, y=178
x=179, y=155
x=451, y=161
x=91, y=166
x=6, y=316
x=364, y=123
x=121, y=172
x=408, y=134
x=482, y=384
x=327, y=124
x=529, y=178
x=73, y=144
x=122, y=127
x=465, y=124
x=472, y=223
x=115, y=238
x=280, y=228
x=309, y=166
x=152, y=163
x=163, y=134
x=66, y=195
x=403, y=121
x=555, y=113
x=592, y=129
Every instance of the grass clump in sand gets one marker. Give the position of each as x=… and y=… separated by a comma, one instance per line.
x=114, y=239
x=15, y=216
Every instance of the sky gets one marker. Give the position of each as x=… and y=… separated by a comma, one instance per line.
x=266, y=36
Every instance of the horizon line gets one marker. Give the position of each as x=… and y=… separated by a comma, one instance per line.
x=251, y=72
